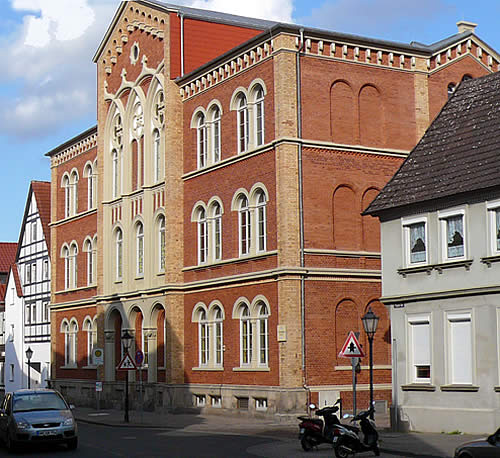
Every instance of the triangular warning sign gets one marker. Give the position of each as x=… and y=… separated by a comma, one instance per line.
x=127, y=363
x=351, y=348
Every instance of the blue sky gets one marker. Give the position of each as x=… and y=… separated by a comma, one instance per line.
x=47, y=81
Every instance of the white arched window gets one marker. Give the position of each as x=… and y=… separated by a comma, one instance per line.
x=242, y=123
x=91, y=186
x=90, y=249
x=161, y=243
x=73, y=252
x=67, y=196
x=204, y=333
x=215, y=134
x=246, y=336
x=116, y=152
x=244, y=225
x=70, y=331
x=157, y=156
x=218, y=335
x=67, y=267
x=201, y=140
x=259, y=116
x=116, y=172
x=90, y=328
x=216, y=224
x=263, y=331
x=73, y=184
x=140, y=250
x=119, y=253
x=261, y=220
x=202, y=236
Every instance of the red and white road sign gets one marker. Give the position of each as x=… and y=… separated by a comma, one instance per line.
x=127, y=363
x=351, y=348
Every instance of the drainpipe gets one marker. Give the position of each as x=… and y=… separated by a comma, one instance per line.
x=301, y=213
x=181, y=16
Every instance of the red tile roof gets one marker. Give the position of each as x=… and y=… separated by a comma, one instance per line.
x=41, y=189
x=17, y=280
x=3, y=289
x=8, y=252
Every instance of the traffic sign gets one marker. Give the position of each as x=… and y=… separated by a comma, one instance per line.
x=351, y=348
x=98, y=356
x=139, y=357
x=126, y=364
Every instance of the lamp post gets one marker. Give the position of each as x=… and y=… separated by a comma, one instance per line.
x=370, y=322
x=126, y=338
x=29, y=354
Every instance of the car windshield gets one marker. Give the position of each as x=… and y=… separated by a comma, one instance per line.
x=38, y=401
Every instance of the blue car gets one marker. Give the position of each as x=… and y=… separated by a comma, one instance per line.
x=480, y=448
x=37, y=416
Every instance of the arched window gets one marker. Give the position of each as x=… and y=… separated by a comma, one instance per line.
x=218, y=322
x=90, y=328
x=261, y=220
x=161, y=243
x=89, y=173
x=451, y=89
x=204, y=333
x=216, y=134
x=73, y=183
x=217, y=231
x=67, y=196
x=90, y=249
x=263, y=330
x=116, y=172
x=259, y=116
x=246, y=336
x=140, y=250
x=119, y=253
x=201, y=141
x=242, y=124
x=244, y=225
x=67, y=268
x=70, y=331
x=202, y=236
x=157, y=155
x=73, y=251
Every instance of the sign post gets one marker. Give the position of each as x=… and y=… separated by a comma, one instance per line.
x=352, y=349
x=139, y=359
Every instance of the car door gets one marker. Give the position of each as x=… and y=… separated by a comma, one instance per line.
x=493, y=448
x=4, y=415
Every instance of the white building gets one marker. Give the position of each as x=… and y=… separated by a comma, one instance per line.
x=440, y=223
x=27, y=316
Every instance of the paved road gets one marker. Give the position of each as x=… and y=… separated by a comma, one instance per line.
x=108, y=441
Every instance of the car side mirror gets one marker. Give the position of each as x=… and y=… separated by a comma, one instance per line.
x=72, y=406
x=492, y=439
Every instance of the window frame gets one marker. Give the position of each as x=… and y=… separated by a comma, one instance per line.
x=444, y=217
x=258, y=108
x=459, y=316
x=406, y=224
x=202, y=236
x=201, y=141
x=244, y=225
x=242, y=123
x=418, y=320
x=492, y=207
x=140, y=249
x=118, y=254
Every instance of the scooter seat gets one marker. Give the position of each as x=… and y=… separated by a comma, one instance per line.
x=352, y=428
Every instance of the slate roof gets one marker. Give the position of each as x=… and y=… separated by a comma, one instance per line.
x=459, y=153
x=8, y=252
x=41, y=189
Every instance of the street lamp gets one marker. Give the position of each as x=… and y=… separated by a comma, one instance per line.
x=29, y=354
x=126, y=339
x=370, y=322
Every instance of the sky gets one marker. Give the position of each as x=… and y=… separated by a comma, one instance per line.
x=48, y=83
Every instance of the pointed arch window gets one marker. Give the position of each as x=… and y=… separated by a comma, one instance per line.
x=259, y=116
x=261, y=220
x=67, y=268
x=217, y=231
x=90, y=328
x=90, y=249
x=204, y=332
x=202, y=236
x=116, y=172
x=218, y=336
x=67, y=196
x=161, y=243
x=73, y=251
x=157, y=155
x=215, y=128
x=244, y=226
x=201, y=135
x=119, y=253
x=263, y=329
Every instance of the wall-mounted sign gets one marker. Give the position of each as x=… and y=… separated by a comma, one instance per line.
x=98, y=356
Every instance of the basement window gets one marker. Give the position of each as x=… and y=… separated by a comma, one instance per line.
x=200, y=400
x=217, y=401
x=260, y=403
x=242, y=403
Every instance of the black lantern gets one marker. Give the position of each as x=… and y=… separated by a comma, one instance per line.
x=370, y=323
x=126, y=339
x=29, y=355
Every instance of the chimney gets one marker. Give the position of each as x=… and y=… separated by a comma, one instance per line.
x=465, y=26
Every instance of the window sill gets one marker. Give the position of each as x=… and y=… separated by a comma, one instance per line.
x=140, y=277
x=251, y=369
x=118, y=281
x=73, y=366
x=461, y=388
x=244, y=258
x=438, y=267
x=72, y=290
x=208, y=369
x=418, y=387
x=497, y=389
x=89, y=367
x=489, y=260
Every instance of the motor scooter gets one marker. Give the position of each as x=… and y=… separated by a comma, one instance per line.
x=313, y=431
x=347, y=440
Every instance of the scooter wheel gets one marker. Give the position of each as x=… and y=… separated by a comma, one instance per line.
x=307, y=443
x=376, y=450
x=341, y=450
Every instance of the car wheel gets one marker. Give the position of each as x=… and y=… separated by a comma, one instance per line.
x=10, y=444
x=73, y=443
x=465, y=455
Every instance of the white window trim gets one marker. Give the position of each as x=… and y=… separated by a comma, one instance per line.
x=491, y=208
x=405, y=225
x=411, y=320
x=442, y=217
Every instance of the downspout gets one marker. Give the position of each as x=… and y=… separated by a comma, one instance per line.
x=181, y=15
x=301, y=216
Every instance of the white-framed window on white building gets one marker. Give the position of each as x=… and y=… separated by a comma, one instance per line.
x=34, y=232
x=119, y=254
x=453, y=234
x=493, y=209
x=460, y=348
x=45, y=311
x=45, y=269
x=415, y=241
x=34, y=312
x=140, y=249
x=419, y=348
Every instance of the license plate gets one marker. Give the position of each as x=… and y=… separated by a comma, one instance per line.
x=302, y=430
x=335, y=439
x=47, y=433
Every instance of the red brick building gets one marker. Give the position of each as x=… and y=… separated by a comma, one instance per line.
x=230, y=164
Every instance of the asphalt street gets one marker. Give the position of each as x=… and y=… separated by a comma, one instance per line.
x=111, y=441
